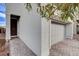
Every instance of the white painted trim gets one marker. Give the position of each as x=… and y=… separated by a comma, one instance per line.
x=50, y=34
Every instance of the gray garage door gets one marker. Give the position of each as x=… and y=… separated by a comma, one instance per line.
x=57, y=33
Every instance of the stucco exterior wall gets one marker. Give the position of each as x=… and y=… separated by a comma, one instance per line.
x=45, y=36
x=29, y=26
x=7, y=27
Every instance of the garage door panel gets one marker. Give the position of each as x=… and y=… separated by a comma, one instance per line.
x=57, y=33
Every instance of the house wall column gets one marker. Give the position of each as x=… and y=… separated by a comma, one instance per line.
x=69, y=30
x=8, y=26
x=45, y=37
x=75, y=27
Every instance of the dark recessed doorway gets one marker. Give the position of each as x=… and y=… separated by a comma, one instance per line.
x=13, y=24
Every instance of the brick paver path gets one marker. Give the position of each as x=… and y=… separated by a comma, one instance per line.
x=68, y=47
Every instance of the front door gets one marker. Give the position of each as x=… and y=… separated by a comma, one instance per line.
x=13, y=26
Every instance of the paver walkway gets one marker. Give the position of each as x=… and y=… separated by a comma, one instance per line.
x=68, y=47
x=18, y=48
x=2, y=36
x=5, y=52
